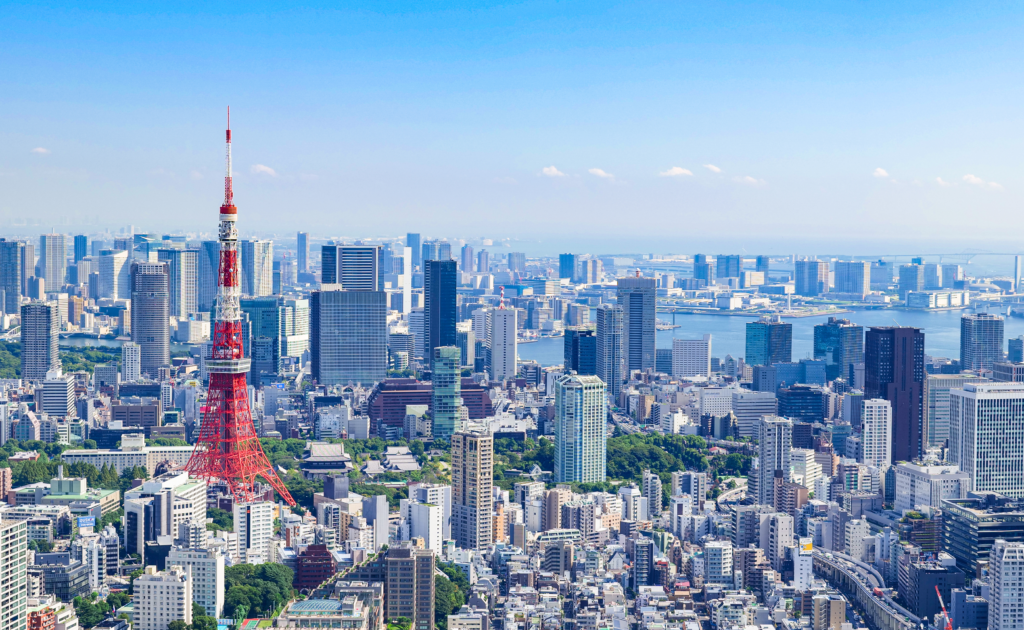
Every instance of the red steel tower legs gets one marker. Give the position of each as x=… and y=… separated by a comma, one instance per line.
x=228, y=449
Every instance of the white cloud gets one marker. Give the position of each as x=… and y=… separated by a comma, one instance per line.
x=551, y=171
x=676, y=171
x=749, y=181
x=262, y=169
x=942, y=182
x=977, y=181
x=600, y=173
x=880, y=172
x=40, y=150
x=712, y=168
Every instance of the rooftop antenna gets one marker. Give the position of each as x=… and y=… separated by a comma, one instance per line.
x=501, y=300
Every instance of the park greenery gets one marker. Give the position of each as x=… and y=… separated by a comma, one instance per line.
x=449, y=593
x=72, y=358
x=261, y=589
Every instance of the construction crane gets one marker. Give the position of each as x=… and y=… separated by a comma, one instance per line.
x=949, y=624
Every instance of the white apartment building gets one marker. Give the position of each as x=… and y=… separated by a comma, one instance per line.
x=876, y=433
x=691, y=357
x=254, y=526
x=131, y=362
x=936, y=403
x=856, y=531
x=718, y=562
x=749, y=407
x=13, y=571
x=775, y=445
x=987, y=436
x=162, y=597
x=806, y=470
x=1006, y=568
x=918, y=484
x=438, y=494
x=206, y=567
x=504, y=343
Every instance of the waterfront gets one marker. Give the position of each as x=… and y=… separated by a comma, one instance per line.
x=728, y=334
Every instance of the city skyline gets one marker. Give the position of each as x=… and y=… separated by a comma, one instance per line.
x=766, y=115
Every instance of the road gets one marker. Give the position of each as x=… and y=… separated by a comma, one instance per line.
x=731, y=496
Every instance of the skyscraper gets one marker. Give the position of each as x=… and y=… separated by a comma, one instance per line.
x=348, y=336
x=775, y=441
x=409, y=578
x=504, y=344
x=439, y=304
x=580, y=350
x=466, y=258
x=81, y=247
x=52, y=266
x=517, y=261
x=894, y=370
x=115, y=275
x=1006, y=569
x=131, y=362
x=354, y=267
x=14, y=554
x=257, y=268
x=853, y=276
x=446, y=391
x=581, y=410
x=811, y=277
x=985, y=420
x=876, y=433
x=183, y=279
x=412, y=241
x=483, y=261
x=763, y=264
x=703, y=269
x=151, y=314
x=841, y=345
x=609, y=347
x=302, y=251
x=28, y=265
x=40, y=326
x=769, y=340
x=567, y=266
x=691, y=357
x=729, y=266
x=472, y=489
x=11, y=255
x=981, y=341
x=636, y=296
x=911, y=279
x=206, y=276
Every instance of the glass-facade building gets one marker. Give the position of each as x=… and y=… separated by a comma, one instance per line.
x=581, y=410
x=769, y=340
x=446, y=394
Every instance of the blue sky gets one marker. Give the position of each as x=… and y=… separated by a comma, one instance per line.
x=675, y=122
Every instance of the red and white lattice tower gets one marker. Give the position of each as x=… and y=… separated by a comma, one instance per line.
x=228, y=449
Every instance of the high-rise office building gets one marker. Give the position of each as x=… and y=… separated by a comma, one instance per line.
x=348, y=336
x=636, y=297
x=775, y=441
x=567, y=266
x=762, y=265
x=207, y=570
x=472, y=489
x=28, y=265
x=183, y=279
x=691, y=357
x=302, y=252
x=911, y=279
x=483, y=261
x=984, y=420
x=81, y=247
x=446, y=391
x=728, y=266
x=439, y=304
x=840, y=344
x=853, y=276
x=749, y=407
x=580, y=350
x=503, y=343
x=40, y=327
x=517, y=261
x=466, y=258
x=1015, y=349
x=206, y=275
x=581, y=410
x=409, y=583
x=769, y=340
x=115, y=275
x=150, y=314
x=412, y=241
x=811, y=277
x=263, y=333
x=53, y=261
x=936, y=404
x=14, y=573
x=1006, y=571
x=131, y=362
x=981, y=341
x=876, y=433
x=894, y=370
x=703, y=269
x=257, y=268
x=354, y=267
x=11, y=255
x=609, y=347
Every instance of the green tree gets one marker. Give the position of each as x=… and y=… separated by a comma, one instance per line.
x=177, y=624
x=447, y=600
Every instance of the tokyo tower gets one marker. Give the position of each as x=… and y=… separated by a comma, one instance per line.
x=227, y=448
